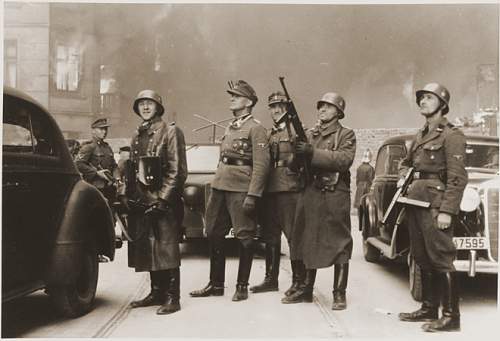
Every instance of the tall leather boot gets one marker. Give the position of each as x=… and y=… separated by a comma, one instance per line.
x=246, y=258
x=270, y=282
x=305, y=292
x=155, y=297
x=215, y=286
x=341, y=273
x=298, y=276
x=430, y=299
x=172, y=292
x=450, y=321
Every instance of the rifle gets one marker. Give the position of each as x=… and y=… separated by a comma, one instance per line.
x=399, y=196
x=292, y=117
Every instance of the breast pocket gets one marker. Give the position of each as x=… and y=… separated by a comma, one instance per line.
x=434, y=153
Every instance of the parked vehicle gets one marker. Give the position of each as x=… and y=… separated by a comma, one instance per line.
x=54, y=224
x=475, y=228
x=202, y=161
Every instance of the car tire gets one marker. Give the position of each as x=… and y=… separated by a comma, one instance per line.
x=415, y=279
x=370, y=252
x=77, y=298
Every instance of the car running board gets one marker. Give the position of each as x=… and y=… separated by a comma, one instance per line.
x=387, y=250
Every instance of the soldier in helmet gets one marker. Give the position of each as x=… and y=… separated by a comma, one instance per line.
x=238, y=184
x=279, y=202
x=437, y=154
x=323, y=223
x=158, y=156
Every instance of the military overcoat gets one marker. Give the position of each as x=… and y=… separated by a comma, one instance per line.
x=156, y=245
x=323, y=223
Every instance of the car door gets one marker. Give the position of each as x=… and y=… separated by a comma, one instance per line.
x=386, y=172
x=34, y=188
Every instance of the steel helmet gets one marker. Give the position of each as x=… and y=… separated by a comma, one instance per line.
x=437, y=89
x=152, y=95
x=334, y=99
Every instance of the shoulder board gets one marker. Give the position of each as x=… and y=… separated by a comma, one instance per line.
x=86, y=142
x=172, y=123
x=256, y=120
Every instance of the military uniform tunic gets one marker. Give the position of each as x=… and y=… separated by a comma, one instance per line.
x=438, y=157
x=279, y=202
x=95, y=155
x=323, y=222
x=242, y=171
x=156, y=238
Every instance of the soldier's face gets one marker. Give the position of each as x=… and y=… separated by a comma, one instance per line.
x=327, y=112
x=100, y=133
x=147, y=109
x=277, y=110
x=429, y=104
x=239, y=103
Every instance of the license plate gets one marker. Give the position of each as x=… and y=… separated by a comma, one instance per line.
x=471, y=243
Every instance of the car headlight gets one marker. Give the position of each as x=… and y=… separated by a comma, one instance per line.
x=470, y=200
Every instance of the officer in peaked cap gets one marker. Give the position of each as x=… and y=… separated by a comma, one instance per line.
x=437, y=155
x=95, y=159
x=238, y=183
x=158, y=156
x=323, y=210
x=280, y=199
x=96, y=162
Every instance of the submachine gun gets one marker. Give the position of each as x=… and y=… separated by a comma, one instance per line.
x=399, y=197
x=292, y=117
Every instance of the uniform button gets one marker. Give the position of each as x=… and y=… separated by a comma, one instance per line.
x=135, y=152
x=432, y=157
x=136, y=142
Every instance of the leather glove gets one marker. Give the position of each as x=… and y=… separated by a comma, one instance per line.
x=303, y=148
x=249, y=204
x=443, y=220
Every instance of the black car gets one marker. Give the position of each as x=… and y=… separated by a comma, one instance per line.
x=476, y=226
x=54, y=224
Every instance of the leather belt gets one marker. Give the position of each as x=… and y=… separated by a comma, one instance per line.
x=281, y=163
x=425, y=175
x=235, y=162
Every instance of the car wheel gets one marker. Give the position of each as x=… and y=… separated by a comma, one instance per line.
x=76, y=299
x=415, y=279
x=370, y=252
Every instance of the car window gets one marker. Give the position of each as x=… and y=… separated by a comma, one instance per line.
x=481, y=156
x=24, y=131
x=202, y=158
x=388, y=160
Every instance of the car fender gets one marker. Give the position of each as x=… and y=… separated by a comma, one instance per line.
x=86, y=218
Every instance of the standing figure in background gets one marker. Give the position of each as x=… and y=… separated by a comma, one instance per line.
x=154, y=188
x=323, y=210
x=438, y=155
x=237, y=186
x=364, y=177
x=280, y=200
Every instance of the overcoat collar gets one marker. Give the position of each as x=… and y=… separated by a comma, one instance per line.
x=329, y=128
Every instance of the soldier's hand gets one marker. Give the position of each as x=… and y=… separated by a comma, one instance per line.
x=303, y=148
x=160, y=208
x=249, y=204
x=124, y=203
x=443, y=220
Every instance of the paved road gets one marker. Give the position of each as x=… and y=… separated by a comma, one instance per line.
x=376, y=293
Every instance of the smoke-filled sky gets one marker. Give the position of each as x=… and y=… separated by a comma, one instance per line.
x=374, y=55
